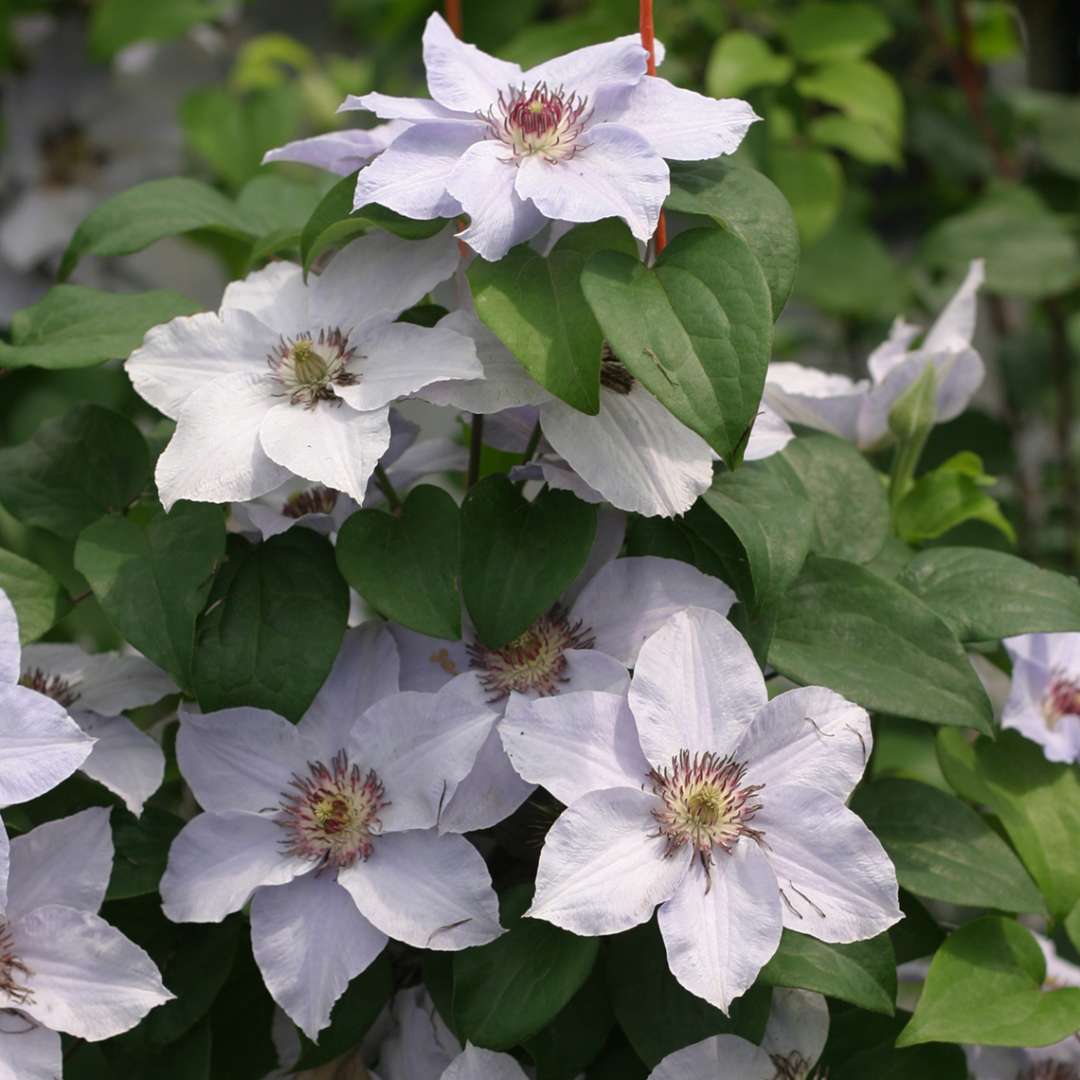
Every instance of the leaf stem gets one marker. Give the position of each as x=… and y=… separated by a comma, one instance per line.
x=476, y=447
x=382, y=481
x=905, y=461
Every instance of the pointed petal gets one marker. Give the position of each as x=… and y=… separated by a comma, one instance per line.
x=219, y=860
x=426, y=890
x=499, y=218
x=476, y=1064
x=124, y=759
x=406, y=111
x=817, y=399
x=721, y=930
x=331, y=444
x=616, y=173
x=893, y=350
x=309, y=941
x=955, y=326
x=183, y=356
x=574, y=744
x=40, y=745
x=696, y=687
x=215, y=455
x=723, y=1056
x=30, y=1052
x=10, y=667
x=798, y=1024
x=585, y=70
x=681, y=125
x=398, y=359
x=630, y=599
x=838, y=882
x=635, y=453
x=461, y=76
x=603, y=868
x=239, y=759
x=426, y=458
x=340, y=152
x=769, y=435
x=88, y=979
x=276, y=295
x=428, y=663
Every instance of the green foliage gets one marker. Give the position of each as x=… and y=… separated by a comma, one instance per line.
x=38, y=598
x=822, y=32
x=119, y=23
x=741, y=61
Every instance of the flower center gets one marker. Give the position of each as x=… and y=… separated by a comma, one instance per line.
x=535, y=661
x=795, y=1067
x=704, y=803
x=1050, y=1070
x=540, y=121
x=316, y=500
x=1062, y=699
x=332, y=815
x=613, y=373
x=60, y=690
x=308, y=368
x=13, y=972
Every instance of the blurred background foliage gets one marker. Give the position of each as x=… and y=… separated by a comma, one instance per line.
x=908, y=135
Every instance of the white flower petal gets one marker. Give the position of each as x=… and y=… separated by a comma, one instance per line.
x=428, y=663
x=615, y=173
x=696, y=687
x=893, y=350
x=399, y=358
x=817, y=399
x=40, y=745
x=682, y=125
x=5, y=865
x=309, y=942
x=721, y=930
x=955, y=326
x=426, y=890
x=375, y=278
x=219, y=860
x=590, y=669
x=576, y=743
x=406, y=111
x=183, y=356
x=276, y=295
x=461, y=76
x=364, y=672
x=838, y=882
x=798, y=1024
x=603, y=868
x=769, y=435
x=585, y=70
x=340, y=152
x=629, y=600
x=635, y=453
x=124, y=759
x=723, y=1057
x=88, y=980
x=476, y=1064
x=808, y=736
x=215, y=454
x=10, y=667
x=332, y=444
x=499, y=218
x=426, y=458
x=1037, y=658
x=66, y=862
x=419, y=1043
x=410, y=175
x=29, y=1052
x=239, y=759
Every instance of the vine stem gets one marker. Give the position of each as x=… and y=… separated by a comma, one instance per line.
x=648, y=41
x=383, y=483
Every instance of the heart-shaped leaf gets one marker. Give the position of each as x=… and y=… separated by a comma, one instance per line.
x=406, y=567
x=517, y=556
x=696, y=330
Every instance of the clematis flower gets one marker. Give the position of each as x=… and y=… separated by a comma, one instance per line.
x=698, y=794
x=289, y=378
x=62, y=967
x=341, y=152
x=587, y=641
x=634, y=454
x=577, y=138
x=794, y=1038
x=858, y=410
x=1044, y=701
x=328, y=829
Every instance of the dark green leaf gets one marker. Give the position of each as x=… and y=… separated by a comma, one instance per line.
x=517, y=556
x=916, y=935
x=406, y=567
x=272, y=629
x=821, y=31
x=861, y=1046
x=740, y=61
x=574, y=1039
x=142, y=849
x=241, y=1020
x=37, y=596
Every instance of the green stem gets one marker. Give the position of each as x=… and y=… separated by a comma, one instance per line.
x=382, y=481
x=532, y=444
x=905, y=461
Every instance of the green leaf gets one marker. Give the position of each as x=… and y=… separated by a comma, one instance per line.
x=998, y=964
x=869, y=639
x=517, y=557
x=272, y=629
x=820, y=32
x=861, y=1046
x=863, y=972
x=659, y=1016
x=987, y=595
x=1072, y=925
x=943, y=850
x=1058, y=133
x=406, y=567
x=115, y=24
x=748, y=204
x=76, y=468
x=861, y=140
x=135, y=218
x=575, y=1038
x=861, y=90
x=510, y=989
x=334, y=223
x=812, y=181
x=74, y=326
x=353, y=1014
x=851, y=512
x=39, y=599
x=151, y=573
x=142, y=849
x=535, y=306
x=696, y=330
x=740, y=61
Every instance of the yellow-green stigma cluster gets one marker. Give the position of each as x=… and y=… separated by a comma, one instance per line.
x=308, y=368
